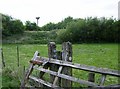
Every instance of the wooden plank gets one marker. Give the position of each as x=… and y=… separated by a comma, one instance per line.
x=117, y=86
x=43, y=82
x=102, y=80
x=29, y=71
x=67, y=56
x=41, y=74
x=67, y=77
x=56, y=78
x=83, y=67
x=36, y=54
x=31, y=65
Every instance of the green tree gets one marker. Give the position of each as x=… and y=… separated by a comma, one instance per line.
x=91, y=30
x=11, y=26
x=31, y=26
x=75, y=32
x=48, y=27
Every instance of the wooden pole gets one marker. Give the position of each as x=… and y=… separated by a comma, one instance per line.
x=67, y=56
x=3, y=61
x=52, y=54
x=17, y=56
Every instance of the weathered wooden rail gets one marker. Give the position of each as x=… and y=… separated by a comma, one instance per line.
x=59, y=66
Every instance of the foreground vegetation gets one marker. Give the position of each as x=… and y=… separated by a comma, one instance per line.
x=99, y=55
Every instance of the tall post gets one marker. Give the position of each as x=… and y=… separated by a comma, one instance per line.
x=37, y=22
x=67, y=56
x=52, y=54
x=3, y=61
x=18, y=56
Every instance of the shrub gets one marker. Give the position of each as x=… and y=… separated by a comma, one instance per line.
x=11, y=26
x=74, y=32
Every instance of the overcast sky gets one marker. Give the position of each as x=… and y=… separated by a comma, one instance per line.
x=56, y=10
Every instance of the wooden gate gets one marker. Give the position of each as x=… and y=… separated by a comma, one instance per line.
x=59, y=67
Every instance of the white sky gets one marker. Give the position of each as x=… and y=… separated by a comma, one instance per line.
x=56, y=10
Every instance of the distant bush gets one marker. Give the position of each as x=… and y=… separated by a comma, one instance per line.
x=90, y=30
x=11, y=26
x=29, y=26
x=62, y=36
x=52, y=35
x=74, y=32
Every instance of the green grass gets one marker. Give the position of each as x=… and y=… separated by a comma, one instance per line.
x=99, y=55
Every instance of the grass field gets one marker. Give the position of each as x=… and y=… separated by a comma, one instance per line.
x=99, y=55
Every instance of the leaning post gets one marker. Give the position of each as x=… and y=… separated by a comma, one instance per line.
x=67, y=56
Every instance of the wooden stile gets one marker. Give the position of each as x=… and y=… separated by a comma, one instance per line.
x=80, y=67
x=59, y=66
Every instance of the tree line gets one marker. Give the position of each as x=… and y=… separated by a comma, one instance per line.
x=14, y=26
x=75, y=30
x=91, y=30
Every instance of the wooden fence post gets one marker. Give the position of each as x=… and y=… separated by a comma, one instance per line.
x=3, y=61
x=67, y=56
x=17, y=56
x=52, y=54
